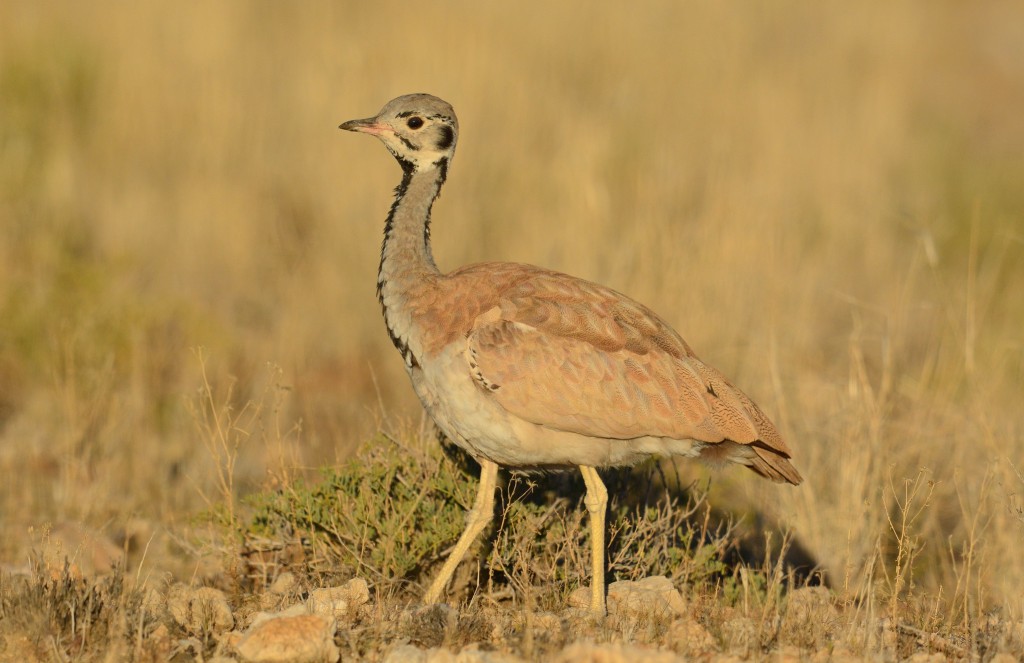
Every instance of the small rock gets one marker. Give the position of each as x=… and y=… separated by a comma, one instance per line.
x=690, y=638
x=585, y=652
x=283, y=584
x=291, y=611
x=301, y=639
x=339, y=602
x=230, y=640
x=654, y=596
x=200, y=610
x=473, y=655
x=412, y=654
x=161, y=632
x=1002, y=658
x=543, y=626
x=160, y=642
x=836, y=653
x=924, y=657
x=406, y=654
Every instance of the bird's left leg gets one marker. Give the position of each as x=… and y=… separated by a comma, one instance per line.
x=597, y=504
x=479, y=516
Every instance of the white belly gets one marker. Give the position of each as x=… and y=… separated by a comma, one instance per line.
x=472, y=419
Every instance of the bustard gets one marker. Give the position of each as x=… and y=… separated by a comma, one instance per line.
x=526, y=367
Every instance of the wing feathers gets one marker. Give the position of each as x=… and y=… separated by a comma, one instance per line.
x=572, y=355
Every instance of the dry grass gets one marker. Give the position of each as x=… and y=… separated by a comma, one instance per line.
x=825, y=201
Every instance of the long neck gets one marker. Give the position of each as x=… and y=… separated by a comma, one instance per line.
x=406, y=262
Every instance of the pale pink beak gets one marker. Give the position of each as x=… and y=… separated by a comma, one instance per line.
x=367, y=126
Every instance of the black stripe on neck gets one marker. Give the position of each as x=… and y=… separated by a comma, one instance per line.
x=442, y=167
x=408, y=168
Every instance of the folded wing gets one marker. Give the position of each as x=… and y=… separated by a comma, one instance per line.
x=575, y=356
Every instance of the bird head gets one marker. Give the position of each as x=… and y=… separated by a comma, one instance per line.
x=420, y=130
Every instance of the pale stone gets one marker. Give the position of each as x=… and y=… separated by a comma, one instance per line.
x=1002, y=658
x=586, y=652
x=412, y=654
x=924, y=657
x=299, y=639
x=339, y=602
x=406, y=654
x=653, y=596
x=160, y=642
x=545, y=625
x=283, y=584
x=230, y=640
x=787, y=655
x=688, y=637
x=290, y=611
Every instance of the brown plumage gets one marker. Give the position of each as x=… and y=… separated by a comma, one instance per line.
x=526, y=367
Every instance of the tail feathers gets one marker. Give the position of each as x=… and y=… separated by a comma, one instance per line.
x=767, y=461
x=773, y=465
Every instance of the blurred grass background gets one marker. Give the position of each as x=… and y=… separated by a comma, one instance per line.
x=826, y=201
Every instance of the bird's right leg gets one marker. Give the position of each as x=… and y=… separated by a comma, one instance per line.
x=597, y=504
x=479, y=516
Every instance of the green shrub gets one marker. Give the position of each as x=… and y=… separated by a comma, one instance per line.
x=387, y=514
x=391, y=513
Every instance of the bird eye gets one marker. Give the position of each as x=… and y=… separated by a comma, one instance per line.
x=414, y=122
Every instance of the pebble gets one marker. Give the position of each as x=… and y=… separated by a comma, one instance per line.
x=297, y=639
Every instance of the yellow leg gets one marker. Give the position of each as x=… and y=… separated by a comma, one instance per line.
x=477, y=519
x=597, y=504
